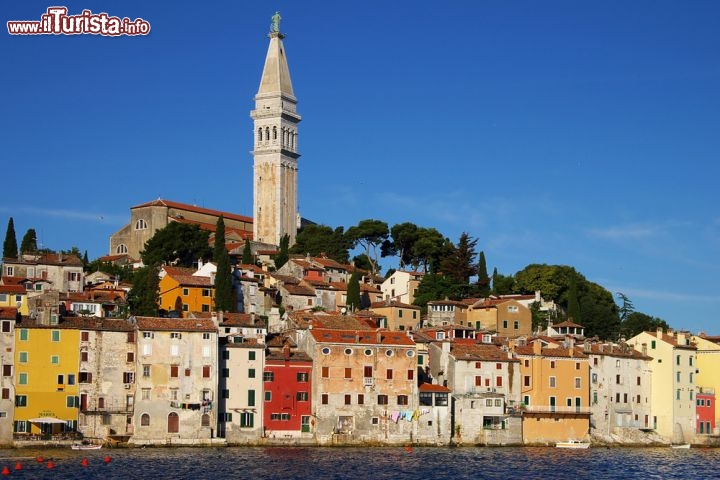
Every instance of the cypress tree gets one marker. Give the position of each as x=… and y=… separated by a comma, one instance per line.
x=10, y=248
x=29, y=242
x=282, y=256
x=247, y=253
x=483, y=278
x=223, y=274
x=353, y=292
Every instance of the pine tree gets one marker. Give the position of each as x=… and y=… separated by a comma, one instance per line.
x=29, y=242
x=223, y=274
x=10, y=248
x=483, y=278
x=282, y=256
x=353, y=292
x=247, y=253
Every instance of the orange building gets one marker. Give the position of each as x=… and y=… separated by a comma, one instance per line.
x=555, y=393
x=182, y=291
x=509, y=318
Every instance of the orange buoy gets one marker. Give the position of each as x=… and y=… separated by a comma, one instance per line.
x=5, y=470
x=40, y=459
x=51, y=464
x=107, y=459
x=84, y=462
x=408, y=449
x=18, y=466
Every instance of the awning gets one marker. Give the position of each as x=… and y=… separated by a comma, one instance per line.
x=46, y=420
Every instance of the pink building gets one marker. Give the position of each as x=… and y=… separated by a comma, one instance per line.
x=705, y=411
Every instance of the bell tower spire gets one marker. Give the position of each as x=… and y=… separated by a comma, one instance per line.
x=275, y=153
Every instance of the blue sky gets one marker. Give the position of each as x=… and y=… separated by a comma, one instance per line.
x=559, y=132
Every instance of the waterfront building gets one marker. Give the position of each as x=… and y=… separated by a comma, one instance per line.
x=434, y=418
x=708, y=365
x=178, y=361
x=364, y=386
x=705, y=411
x=241, y=404
x=555, y=392
x=8, y=316
x=673, y=368
x=620, y=389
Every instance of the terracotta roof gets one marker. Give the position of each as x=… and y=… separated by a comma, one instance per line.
x=176, y=324
x=48, y=259
x=8, y=313
x=672, y=340
x=329, y=263
x=286, y=279
x=614, y=351
x=552, y=352
x=491, y=302
x=276, y=340
x=112, y=258
x=278, y=357
x=324, y=320
x=5, y=280
x=245, y=343
x=82, y=323
x=192, y=280
x=254, y=268
x=392, y=303
x=14, y=289
x=362, y=337
x=479, y=352
x=267, y=252
x=413, y=273
x=170, y=270
x=431, y=387
x=567, y=323
x=299, y=290
x=192, y=208
x=210, y=227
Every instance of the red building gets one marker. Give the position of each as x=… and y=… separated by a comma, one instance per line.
x=287, y=386
x=705, y=412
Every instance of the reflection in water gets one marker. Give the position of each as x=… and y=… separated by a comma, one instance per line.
x=396, y=463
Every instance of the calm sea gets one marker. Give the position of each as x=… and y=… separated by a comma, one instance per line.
x=371, y=463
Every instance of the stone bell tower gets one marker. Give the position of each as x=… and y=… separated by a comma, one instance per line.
x=275, y=151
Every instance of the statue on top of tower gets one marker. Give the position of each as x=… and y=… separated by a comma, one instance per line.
x=275, y=25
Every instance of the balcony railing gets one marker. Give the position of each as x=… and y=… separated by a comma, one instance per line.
x=556, y=409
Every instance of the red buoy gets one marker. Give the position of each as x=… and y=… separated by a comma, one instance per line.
x=18, y=466
x=51, y=464
x=5, y=470
x=40, y=459
x=84, y=462
x=107, y=459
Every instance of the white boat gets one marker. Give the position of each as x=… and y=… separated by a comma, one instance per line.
x=573, y=444
x=682, y=445
x=80, y=446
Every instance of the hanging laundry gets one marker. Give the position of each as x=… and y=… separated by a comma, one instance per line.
x=394, y=417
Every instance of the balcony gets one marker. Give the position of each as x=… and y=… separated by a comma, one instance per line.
x=562, y=410
x=368, y=381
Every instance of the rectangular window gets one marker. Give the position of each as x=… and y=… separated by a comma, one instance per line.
x=251, y=373
x=130, y=357
x=251, y=398
x=24, y=334
x=85, y=377
x=251, y=355
x=268, y=396
x=389, y=374
x=72, y=402
x=478, y=381
x=552, y=364
x=348, y=373
x=303, y=377
x=516, y=325
x=21, y=400
x=145, y=394
x=128, y=377
x=174, y=371
x=84, y=336
x=247, y=420
x=55, y=335
x=526, y=381
x=348, y=399
x=54, y=359
x=23, y=357
x=382, y=399
x=206, y=371
x=367, y=371
x=324, y=398
x=411, y=374
x=186, y=292
x=578, y=382
x=5, y=393
x=361, y=399
x=677, y=359
x=23, y=379
x=301, y=396
x=7, y=370
x=402, y=400
x=325, y=372
x=71, y=379
x=268, y=376
x=499, y=381
x=426, y=399
x=146, y=371
x=441, y=399
x=552, y=382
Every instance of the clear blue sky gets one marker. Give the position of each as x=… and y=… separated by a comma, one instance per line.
x=559, y=132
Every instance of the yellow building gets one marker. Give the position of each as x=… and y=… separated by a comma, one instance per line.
x=509, y=318
x=708, y=366
x=46, y=377
x=555, y=392
x=14, y=296
x=182, y=291
x=400, y=316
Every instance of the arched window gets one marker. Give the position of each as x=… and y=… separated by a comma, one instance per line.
x=274, y=133
x=141, y=224
x=283, y=133
x=267, y=133
x=260, y=134
x=145, y=420
x=120, y=249
x=205, y=420
x=292, y=141
x=173, y=423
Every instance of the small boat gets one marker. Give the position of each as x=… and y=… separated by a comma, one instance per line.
x=573, y=444
x=681, y=445
x=81, y=446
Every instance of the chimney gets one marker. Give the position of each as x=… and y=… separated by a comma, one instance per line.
x=659, y=332
x=214, y=318
x=537, y=296
x=644, y=349
x=681, y=339
x=378, y=335
x=253, y=319
x=220, y=317
x=537, y=348
x=200, y=263
x=286, y=352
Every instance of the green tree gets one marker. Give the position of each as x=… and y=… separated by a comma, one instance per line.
x=223, y=274
x=435, y=287
x=460, y=263
x=10, y=247
x=29, y=242
x=353, y=292
x=316, y=239
x=427, y=249
x=626, y=308
x=483, y=280
x=144, y=295
x=573, y=304
x=247, y=257
x=502, y=284
x=362, y=262
x=638, y=322
x=369, y=235
x=181, y=244
x=404, y=236
x=85, y=259
x=282, y=257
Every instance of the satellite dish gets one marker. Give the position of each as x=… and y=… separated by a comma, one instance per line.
x=343, y=310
